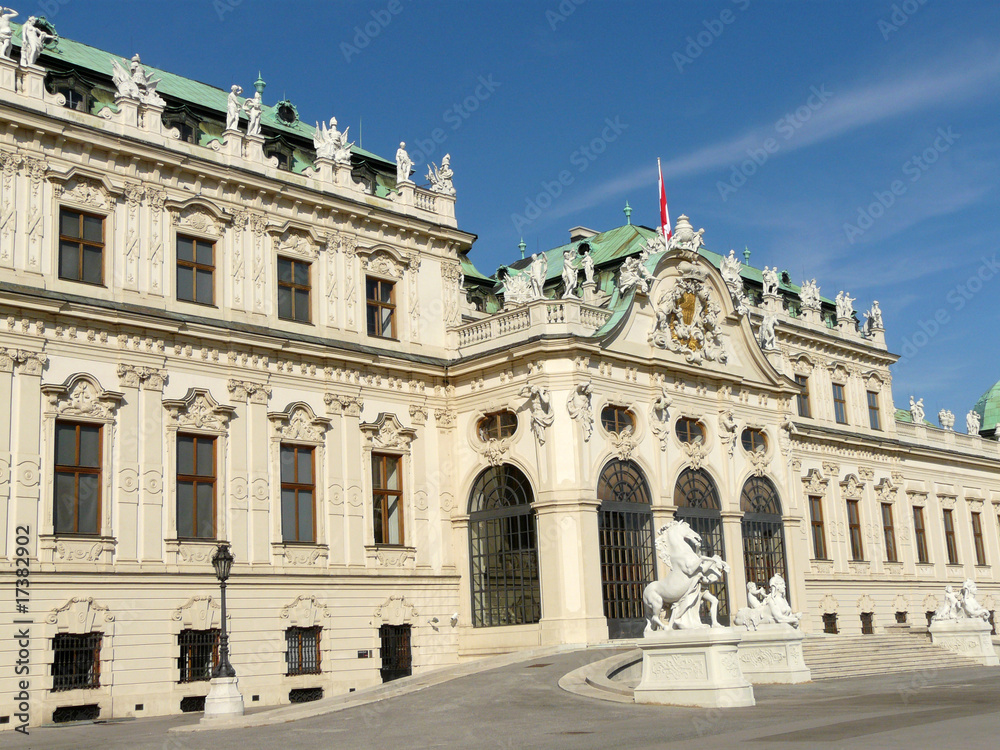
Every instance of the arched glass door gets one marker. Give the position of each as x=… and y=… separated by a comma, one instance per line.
x=698, y=503
x=763, y=531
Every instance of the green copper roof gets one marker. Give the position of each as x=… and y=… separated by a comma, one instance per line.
x=988, y=408
x=84, y=57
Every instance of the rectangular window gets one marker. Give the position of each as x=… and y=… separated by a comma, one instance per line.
x=77, y=487
x=381, y=308
x=199, y=654
x=818, y=534
x=854, y=526
x=76, y=661
x=802, y=400
x=195, y=271
x=195, y=487
x=839, y=404
x=873, y=418
x=920, y=535
x=81, y=247
x=293, y=290
x=977, y=538
x=949, y=537
x=890, y=533
x=298, y=491
x=302, y=650
x=387, y=491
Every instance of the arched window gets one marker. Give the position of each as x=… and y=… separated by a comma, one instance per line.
x=763, y=531
x=502, y=549
x=698, y=503
x=616, y=418
x=689, y=430
x=625, y=526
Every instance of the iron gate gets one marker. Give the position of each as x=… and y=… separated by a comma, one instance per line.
x=763, y=532
x=395, y=651
x=698, y=503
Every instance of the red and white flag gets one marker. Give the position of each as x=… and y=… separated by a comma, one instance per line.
x=664, y=214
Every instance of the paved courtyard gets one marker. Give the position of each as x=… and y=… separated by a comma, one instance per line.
x=521, y=706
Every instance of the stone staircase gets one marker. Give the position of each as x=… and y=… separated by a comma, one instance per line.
x=830, y=656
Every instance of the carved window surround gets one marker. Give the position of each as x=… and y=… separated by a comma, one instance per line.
x=308, y=555
x=815, y=484
x=197, y=217
x=955, y=571
x=390, y=557
x=73, y=550
x=296, y=240
x=79, y=616
x=387, y=435
x=85, y=191
x=80, y=399
x=852, y=488
x=494, y=451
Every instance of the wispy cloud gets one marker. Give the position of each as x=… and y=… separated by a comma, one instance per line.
x=846, y=111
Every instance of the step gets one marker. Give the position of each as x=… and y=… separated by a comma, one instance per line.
x=834, y=656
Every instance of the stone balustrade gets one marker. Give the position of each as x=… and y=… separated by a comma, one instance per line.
x=562, y=316
x=937, y=437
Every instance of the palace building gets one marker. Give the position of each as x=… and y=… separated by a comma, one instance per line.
x=270, y=339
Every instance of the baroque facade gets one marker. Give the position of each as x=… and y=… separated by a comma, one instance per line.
x=215, y=327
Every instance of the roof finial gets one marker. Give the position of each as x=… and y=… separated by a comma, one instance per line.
x=746, y=254
x=521, y=246
x=628, y=213
x=259, y=84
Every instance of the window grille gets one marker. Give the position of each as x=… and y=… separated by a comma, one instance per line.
x=199, y=654
x=830, y=623
x=76, y=661
x=698, y=504
x=302, y=650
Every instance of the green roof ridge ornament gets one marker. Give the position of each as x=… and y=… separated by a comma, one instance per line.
x=259, y=84
x=746, y=254
x=628, y=213
x=521, y=246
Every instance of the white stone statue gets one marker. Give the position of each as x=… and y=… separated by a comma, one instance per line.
x=233, y=107
x=659, y=417
x=540, y=406
x=678, y=545
x=968, y=605
x=845, y=305
x=767, y=607
x=634, y=275
x=254, y=107
x=136, y=83
x=516, y=289
x=404, y=164
x=946, y=419
x=580, y=409
x=873, y=318
x=770, y=276
x=587, y=264
x=569, y=273
x=731, y=267
x=727, y=429
x=538, y=270
x=33, y=40
x=766, y=337
x=440, y=178
x=330, y=143
x=809, y=294
x=950, y=607
x=972, y=422
x=6, y=32
x=685, y=239
x=917, y=411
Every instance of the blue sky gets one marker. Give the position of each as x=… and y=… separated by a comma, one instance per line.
x=854, y=142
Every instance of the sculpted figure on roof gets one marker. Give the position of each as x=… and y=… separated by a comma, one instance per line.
x=136, y=83
x=634, y=275
x=33, y=39
x=254, y=107
x=587, y=263
x=6, y=32
x=809, y=294
x=768, y=341
x=569, y=273
x=917, y=410
x=685, y=239
x=330, y=143
x=403, y=164
x=770, y=276
x=538, y=270
x=873, y=319
x=440, y=179
x=972, y=423
x=516, y=289
x=233, y=108
x=845, y=305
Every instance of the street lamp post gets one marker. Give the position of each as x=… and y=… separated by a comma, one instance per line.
x=224, y=698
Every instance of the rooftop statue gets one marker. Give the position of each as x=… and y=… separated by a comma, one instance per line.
x=770, y=276
x=685, y=239
x=404, y=164
x=569, y=273
x=678, y=545
x=136, y=83
x=33, y=40
x=233, y=108
x=946, y=419
x=731, y=267
x=6, y=32
x=587, y=263
x=972, y=422
x=809, y=294
x=873, y=319
x=254, y=107
x=917, y=411
x=845, y=305
x=516, y=289
x=766, y=337
x=538, y=270
x=330, y=143
x=634, y=275
x=440, y=179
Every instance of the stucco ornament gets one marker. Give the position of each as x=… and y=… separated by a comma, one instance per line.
x=677, y=545
x=33, y=40
x=766, y=336
x=634, y=275
x=659, y=417
x=809, y=295
x=330, y=143
x=972, y=422
x=688, y=321
x=767, y=607
x=731, y=268
x=6, y=32
x=946, y=419
x=770, y=276
x=404, y=164
x=685, y=240
x=580, y=409
x=727, y=429
x=517, y=289
x=873, y=319
x=540, y=406
x=440, y=177
x=845, y=305
x=917, y=410
x=569, y=273
x=537, y=272
x=136, y=83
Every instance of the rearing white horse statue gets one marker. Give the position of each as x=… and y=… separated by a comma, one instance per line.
x=678, y=545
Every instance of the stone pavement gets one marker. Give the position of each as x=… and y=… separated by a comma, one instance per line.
x=521, y=706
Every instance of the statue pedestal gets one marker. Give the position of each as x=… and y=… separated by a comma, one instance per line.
x=152, y=118
x=8, y=74
x=223, y=700
x=589, y=289
x=846, y=325
x=254, y=148
x=698, y=667
x=812, y=315
x=324, y=169
x=406, y=189
x=128, y=111
x=968, y=637
x=33, y=81
x=772, y=303
x=342, y=176
x=772, y=654
x=232, y=142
